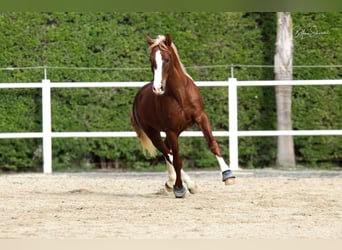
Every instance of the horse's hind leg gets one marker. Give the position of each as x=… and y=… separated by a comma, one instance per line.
x=192, y=186
x=171, y=172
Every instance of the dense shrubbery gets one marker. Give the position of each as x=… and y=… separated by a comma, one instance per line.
x=117, y=40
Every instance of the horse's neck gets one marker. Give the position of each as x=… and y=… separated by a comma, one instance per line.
x=179, y=80
x=179, y=84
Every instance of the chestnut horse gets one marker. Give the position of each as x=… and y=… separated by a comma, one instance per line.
x=172, y=103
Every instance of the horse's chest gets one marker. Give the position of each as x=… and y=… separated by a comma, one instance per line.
x=177, y=117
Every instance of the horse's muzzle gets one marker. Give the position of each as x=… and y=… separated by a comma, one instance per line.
x=159, y=91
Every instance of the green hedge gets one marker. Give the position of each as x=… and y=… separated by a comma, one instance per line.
x=66, y=41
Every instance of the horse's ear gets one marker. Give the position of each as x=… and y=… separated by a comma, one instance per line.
x=149, y=40
x=168, y=40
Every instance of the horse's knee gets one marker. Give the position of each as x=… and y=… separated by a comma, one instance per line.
x=214, y=147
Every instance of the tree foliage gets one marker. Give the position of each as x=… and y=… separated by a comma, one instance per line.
x=112, y=47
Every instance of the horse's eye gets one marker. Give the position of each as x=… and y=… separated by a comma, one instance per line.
x=167, y=60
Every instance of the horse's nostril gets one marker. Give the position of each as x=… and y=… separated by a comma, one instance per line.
x=158, y=91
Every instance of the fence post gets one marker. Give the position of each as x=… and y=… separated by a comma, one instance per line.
x=233, y=124
x=46, y=120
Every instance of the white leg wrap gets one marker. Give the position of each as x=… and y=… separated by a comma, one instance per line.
x=223, y=165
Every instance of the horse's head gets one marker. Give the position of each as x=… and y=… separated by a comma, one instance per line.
x=160, y=57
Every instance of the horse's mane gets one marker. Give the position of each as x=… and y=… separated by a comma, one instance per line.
x=160, y=42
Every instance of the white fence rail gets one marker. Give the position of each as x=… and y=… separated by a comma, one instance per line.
x=233, y=132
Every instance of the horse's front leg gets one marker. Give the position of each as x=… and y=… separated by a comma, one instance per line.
x=179, y=189
x=204, y=124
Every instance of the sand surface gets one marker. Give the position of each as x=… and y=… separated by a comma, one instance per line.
x=263, y=204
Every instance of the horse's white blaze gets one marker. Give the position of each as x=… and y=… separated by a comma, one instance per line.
x=157, y=81
x=223, y=165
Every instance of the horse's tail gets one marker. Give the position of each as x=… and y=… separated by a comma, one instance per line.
x=146, y=143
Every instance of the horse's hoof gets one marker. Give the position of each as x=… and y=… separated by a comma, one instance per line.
x=228, y=178
x=179, y=192
x=194, y=189
x=168, y=187
x=230, y=181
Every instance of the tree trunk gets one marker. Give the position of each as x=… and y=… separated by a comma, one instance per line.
x=283, y=71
